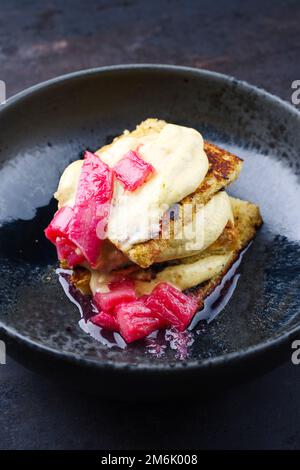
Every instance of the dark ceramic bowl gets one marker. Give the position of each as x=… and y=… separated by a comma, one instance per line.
x=46, y=127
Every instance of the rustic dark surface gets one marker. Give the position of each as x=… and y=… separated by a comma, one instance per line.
x=257, y=41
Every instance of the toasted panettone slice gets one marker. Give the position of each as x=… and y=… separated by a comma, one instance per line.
x=224, y=168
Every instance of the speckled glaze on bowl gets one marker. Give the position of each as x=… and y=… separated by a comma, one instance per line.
x=46, y=127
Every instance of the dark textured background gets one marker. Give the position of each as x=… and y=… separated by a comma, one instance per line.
x=257, y=41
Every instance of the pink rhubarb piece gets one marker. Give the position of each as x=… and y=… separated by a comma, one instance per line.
x=172, y=305
x=87, y=227
x=136, y=321
x=132, y=171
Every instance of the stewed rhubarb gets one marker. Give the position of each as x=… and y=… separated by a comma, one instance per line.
x=59, y=225
x=105, y=320
x=121, y=292
x=58, y=233
x=133, y=171
x=172, y=305
x=67, y=251
x=120, y=310
x=136, y=321
x=78, y=232
x=88, y=225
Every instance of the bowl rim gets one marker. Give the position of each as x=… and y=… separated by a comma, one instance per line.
x=278, y=341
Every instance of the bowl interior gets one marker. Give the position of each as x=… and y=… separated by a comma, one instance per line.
x=44, y=130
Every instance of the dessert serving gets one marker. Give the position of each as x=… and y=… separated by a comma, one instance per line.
x=147, y=227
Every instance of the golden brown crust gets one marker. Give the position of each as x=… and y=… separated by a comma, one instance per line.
x=224, y=168
x=247, y=220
